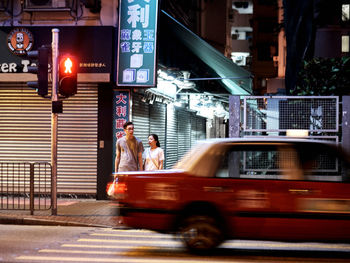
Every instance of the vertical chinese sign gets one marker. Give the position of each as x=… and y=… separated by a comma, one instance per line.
x=121, y=112
x=136, y=63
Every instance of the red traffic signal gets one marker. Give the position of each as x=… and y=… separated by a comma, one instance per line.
x=68, y=70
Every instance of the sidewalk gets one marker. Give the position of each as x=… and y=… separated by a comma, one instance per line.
x=70, y=212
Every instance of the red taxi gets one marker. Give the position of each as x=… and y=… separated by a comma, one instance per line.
x=270, y=189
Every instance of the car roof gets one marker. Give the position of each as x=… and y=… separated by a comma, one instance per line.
x=189, y=160
x=265, y=139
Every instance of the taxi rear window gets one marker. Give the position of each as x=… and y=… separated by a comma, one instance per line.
x=285, y=162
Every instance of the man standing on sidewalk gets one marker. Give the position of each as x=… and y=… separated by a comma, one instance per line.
x=129, y=151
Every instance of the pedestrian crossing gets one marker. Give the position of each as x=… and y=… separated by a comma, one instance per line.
x=113, y=245
x=142, y=246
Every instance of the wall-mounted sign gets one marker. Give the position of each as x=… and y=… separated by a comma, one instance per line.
x=121, y=114
x=88, y=43
x=20, y=41
x=136, y=62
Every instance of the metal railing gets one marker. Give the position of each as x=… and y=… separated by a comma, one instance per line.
x=25, y=186
x=317, y=114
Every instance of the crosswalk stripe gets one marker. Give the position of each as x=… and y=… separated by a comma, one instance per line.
x=116, y=247
x=121, y=260
x=136, y=252
x=135, y=248
x=134, y=235
x=99, y=246
x=156, y=242
x=128, y=230
x=78, y=251
x=235, y=242
x=265, y=244
x=229, y=244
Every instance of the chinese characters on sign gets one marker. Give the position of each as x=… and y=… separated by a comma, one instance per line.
x=121, y=110
x=136, y=61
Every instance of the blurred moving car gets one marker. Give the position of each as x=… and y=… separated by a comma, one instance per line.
x=270, y=189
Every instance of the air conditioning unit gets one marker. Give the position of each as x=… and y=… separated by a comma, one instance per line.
x=239, y=59
x=47, y=5
x=243, y=7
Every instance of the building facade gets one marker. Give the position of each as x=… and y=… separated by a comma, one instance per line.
x=89, y=30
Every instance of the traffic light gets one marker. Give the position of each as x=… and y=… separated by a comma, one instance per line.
x=68, y=70
x=41, y=69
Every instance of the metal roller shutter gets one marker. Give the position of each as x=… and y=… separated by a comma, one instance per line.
x=157, y=121
x=77, y=142
x=198, y=129
x=25, y=125
x=148, y=118
x=183, y=131
x=171, y=150
x=140, y=118
x=201, y=128
x=25, y=134
x=178, y=129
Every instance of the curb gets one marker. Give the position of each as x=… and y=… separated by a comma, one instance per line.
x=47, y=222
x=43, y=222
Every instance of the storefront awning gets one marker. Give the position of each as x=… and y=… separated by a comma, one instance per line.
x=235, y=79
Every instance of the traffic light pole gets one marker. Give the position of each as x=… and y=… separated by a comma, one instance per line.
x=54, y=119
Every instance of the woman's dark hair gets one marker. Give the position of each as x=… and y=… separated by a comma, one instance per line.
x=155, y=137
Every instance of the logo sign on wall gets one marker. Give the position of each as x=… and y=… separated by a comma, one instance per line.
x=121, y=114
x=136, y=62
x=20, y=41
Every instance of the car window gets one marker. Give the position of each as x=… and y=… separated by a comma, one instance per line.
x=260, y=162
x=283, y=162
x=323, y=163
x=209, y=162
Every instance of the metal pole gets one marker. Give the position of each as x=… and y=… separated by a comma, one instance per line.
x=31, y=180
x=54, y=118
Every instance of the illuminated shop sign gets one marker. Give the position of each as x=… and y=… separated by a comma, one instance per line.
x=136, y=62
x=121, y=114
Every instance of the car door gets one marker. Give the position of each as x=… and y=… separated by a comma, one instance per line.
x=276, y=194
x=316, y=205
x=251, y=172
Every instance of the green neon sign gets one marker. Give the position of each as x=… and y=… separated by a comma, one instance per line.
x=137, y=34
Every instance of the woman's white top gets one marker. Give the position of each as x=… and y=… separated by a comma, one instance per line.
x=153, y=157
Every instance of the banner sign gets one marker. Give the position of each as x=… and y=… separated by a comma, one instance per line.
x=136, y=62
x=121, y=114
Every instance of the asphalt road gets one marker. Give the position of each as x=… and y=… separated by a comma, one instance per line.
x=20, y=243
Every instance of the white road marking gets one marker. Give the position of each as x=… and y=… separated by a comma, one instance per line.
x=133, y=235
x=137, y=248
x=142, y=242
x=122, y=260
x=101, y=246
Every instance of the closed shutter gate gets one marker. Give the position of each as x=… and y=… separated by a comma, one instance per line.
x=140, y=118
x=201, y=128
x=25, y=134
x=77, y=142
x=147, y=119
x=183, y=132
x=171, y=137
x=198, y=132
x=158, y=122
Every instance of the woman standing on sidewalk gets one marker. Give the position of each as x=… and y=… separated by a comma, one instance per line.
x=153, y=156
